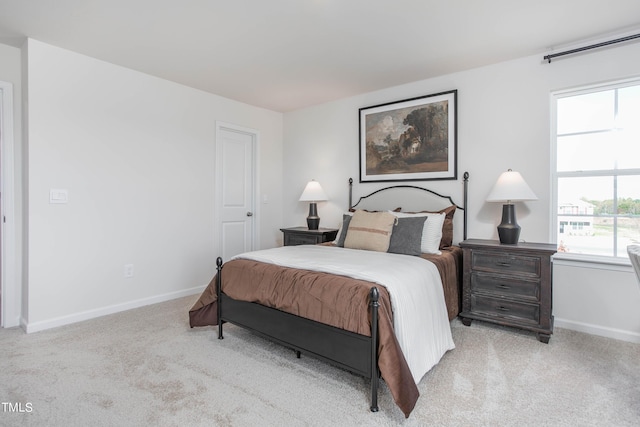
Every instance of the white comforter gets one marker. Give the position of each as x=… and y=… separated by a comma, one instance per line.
x=420, y=317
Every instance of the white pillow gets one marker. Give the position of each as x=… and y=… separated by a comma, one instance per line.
x=431, y=232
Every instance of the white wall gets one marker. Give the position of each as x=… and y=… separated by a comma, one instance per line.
x=597, y=299
x=503, y=122
x=136, y=154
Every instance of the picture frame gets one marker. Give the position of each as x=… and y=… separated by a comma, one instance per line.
x=410, y=140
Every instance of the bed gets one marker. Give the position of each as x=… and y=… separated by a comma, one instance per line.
x=330, y=302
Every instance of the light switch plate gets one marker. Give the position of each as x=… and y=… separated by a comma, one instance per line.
x=58, y=196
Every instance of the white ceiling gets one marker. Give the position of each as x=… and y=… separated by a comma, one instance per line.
x=288, y=54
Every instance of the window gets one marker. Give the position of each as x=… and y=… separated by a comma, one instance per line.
x=597, y=169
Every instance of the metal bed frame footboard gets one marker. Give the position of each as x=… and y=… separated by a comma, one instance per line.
x=353, y=352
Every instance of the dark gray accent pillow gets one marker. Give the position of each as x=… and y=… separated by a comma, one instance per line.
x=346, y=219
x=406, y=236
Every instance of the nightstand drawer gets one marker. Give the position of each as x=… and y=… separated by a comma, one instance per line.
x=519, y=312
x=505, y=263
x=507, y=286
x=303, y=236
x=301, y=239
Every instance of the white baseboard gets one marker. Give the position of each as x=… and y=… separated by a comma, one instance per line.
x=602, y=331
x=588, y=328
x=103, y=311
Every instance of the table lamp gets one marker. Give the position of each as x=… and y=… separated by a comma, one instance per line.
x=509, y=188
x=313, y=193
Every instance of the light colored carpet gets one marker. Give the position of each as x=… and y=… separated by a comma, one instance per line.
x=146, y=367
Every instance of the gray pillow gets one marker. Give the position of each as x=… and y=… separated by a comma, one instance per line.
x=346, y=219
x=406, y=236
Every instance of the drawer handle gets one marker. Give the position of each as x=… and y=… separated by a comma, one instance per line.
x=503, y=287
x=501, y=308
x=503, y=264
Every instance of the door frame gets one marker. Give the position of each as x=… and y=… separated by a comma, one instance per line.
x=11, y=290
x=255, y=148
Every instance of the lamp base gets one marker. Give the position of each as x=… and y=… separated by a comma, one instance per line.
x=313, y=220
x=509, y=230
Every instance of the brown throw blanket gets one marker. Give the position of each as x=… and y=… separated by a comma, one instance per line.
x=330, y=299
x=449, y=265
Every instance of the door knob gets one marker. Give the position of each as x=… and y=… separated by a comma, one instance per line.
x=249, y=213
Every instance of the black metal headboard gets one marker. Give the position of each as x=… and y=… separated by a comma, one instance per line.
x=464, y=200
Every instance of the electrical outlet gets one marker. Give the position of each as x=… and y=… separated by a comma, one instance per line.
x=128, y=271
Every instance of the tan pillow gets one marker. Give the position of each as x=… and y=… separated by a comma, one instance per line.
x=370, y=231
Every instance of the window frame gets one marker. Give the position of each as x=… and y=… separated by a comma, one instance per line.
x=616, y=258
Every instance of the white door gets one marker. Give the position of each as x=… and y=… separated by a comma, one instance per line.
x=235, y=189
x=10, y=288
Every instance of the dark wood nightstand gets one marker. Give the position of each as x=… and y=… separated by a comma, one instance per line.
x=508, y=284
x=303, y=236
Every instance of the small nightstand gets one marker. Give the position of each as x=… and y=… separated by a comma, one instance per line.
x=303, y=236
x=508, y=284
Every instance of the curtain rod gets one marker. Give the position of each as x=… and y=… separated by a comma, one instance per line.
x=593, y=46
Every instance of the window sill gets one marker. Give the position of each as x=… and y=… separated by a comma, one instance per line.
x=592, y=261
